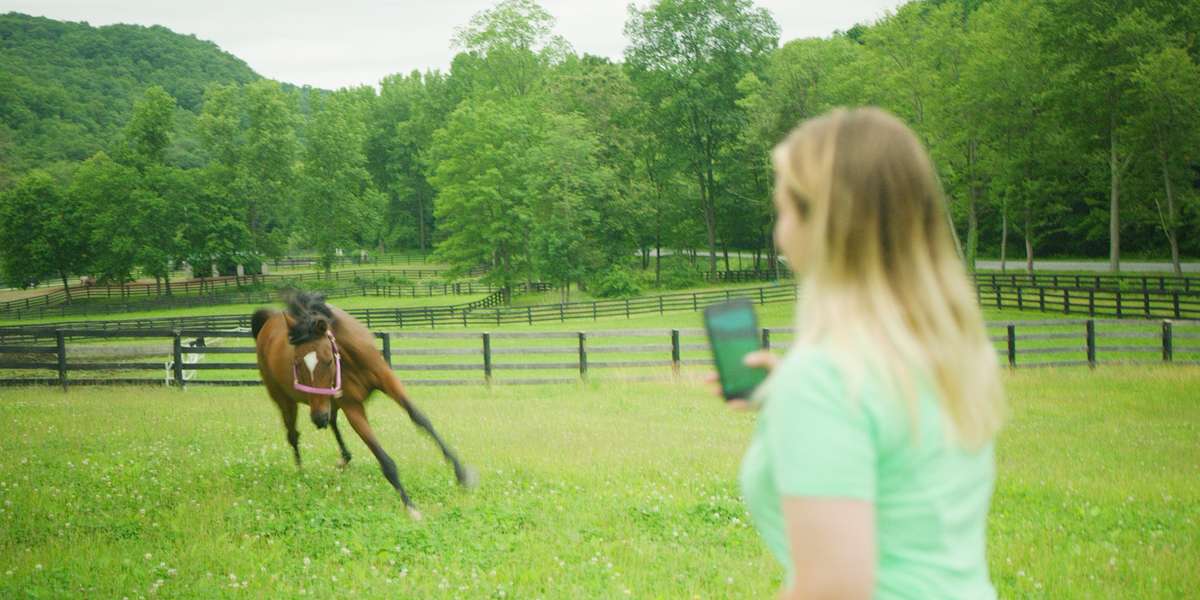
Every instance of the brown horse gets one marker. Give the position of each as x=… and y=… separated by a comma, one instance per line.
x=319, y=355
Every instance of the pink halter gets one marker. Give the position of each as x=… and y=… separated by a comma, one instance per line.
x=337, y=381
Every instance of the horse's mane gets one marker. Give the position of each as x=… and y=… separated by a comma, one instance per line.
x=307, y=310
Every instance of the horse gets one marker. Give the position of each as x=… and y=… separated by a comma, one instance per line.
x=316, y=354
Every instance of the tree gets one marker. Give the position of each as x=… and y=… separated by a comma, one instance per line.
x=103, y=192
x=1101, y=44
x=1166, y=85
x=512, y=44
x=149, y=130
x=687, y=57
x=39, y=235
x=482, y=206
x=339, y=200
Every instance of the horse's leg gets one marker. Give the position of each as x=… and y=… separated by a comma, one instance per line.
x=358, y=420
x=467, y=477
x=287, y=407
x=338, y=434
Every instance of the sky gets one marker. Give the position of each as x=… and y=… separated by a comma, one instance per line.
x=332, y=44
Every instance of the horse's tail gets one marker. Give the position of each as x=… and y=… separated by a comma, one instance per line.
x=259, y=319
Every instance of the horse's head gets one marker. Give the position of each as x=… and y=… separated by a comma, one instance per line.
x=316, y=368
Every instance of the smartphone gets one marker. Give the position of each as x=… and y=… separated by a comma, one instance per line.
x=733, y=333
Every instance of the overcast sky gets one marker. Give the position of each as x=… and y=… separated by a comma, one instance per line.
x=337, y=43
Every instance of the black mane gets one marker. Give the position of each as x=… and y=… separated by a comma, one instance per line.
x=307, y=309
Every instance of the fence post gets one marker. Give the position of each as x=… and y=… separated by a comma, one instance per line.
x=1066, y=301
x=695, y=307
x=660, y=305
x=1020, y=302
x=1012, y=346
x=487, y=358
x=593, y=310
x=61, y=341
x=387, y=348
x=1175, y=302
x=1168, y=345
x=583, y=367
x=626, y=308
x=675, y=352
x=529, y=314
x=1091, y=343
x=1119, y=315
x=177, y=356
x=766, y=338
x=999, y=300
x=1092, y=302
x=761, y=298
x=1146, y=300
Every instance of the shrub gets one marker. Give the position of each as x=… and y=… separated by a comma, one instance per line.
x=616, y=282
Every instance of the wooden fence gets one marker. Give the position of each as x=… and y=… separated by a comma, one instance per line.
x=1147, y=303
x=542, y=357
x=212, y=285
x=485, y=312
x=427, y=290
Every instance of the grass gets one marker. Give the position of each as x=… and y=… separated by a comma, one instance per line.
x=588, y=491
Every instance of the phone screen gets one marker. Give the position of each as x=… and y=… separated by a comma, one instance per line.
x=733, y=333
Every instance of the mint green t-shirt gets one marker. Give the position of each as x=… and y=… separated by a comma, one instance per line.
x=930, y=496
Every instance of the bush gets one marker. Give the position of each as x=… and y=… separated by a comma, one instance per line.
x=678, y=273
x=617, y=282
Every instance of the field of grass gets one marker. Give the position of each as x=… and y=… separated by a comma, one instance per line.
x=588, y=490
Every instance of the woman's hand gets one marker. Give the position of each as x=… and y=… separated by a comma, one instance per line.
x=761, y=359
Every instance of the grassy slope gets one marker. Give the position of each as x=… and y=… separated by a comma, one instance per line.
x=588, y=491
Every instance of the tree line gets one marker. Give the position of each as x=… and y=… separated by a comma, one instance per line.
x=1060, y=127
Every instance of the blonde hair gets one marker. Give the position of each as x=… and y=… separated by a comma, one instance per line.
x=882, y=285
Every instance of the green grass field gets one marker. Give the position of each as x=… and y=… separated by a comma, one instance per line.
x=598, y=489
x=588, y=490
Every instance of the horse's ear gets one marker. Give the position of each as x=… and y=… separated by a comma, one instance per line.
x=289, y=319
x=320, y=327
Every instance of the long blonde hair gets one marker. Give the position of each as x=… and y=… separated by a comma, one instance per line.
x=882, y=284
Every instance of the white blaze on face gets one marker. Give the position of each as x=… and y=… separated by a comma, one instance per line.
x=310, y=361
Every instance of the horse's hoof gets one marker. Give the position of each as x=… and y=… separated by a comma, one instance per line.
x=469, y=479
x=414, y=514
x=343, y=463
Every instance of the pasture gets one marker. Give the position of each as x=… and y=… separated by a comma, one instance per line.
x=589, y=490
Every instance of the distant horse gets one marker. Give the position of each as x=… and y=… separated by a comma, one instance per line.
x=319, y=355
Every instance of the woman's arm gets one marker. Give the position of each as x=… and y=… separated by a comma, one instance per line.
x=833, y=548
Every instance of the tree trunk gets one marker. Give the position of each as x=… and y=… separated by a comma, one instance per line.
x=972, y=216
x=1114, y=205
x=420, y=222
x=1028, y=233
x=167, y=279
x=158, y=285
x=1171, y=222
x=66, y=286
x=657, y=260
x=710, y=224
x=725, y=250
x=1004, y=238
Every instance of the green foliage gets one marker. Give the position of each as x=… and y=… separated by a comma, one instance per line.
x=67, y=89
x=340, y=206
x=38, y=236
x=615, y=282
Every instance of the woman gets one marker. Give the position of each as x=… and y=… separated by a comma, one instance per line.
x=871, y=468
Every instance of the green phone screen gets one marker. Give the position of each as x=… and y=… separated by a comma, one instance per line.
x=733, y=333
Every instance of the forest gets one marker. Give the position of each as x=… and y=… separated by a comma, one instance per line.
x=1060, y=128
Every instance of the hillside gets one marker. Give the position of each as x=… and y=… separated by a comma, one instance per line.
x=66, y=89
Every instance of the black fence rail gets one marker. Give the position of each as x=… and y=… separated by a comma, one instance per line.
x=426, y=290
x=191, y=356
x=1094, y=302
x=487, y=311
x=214, y=285
x=354, y=259
x=1127, y=283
